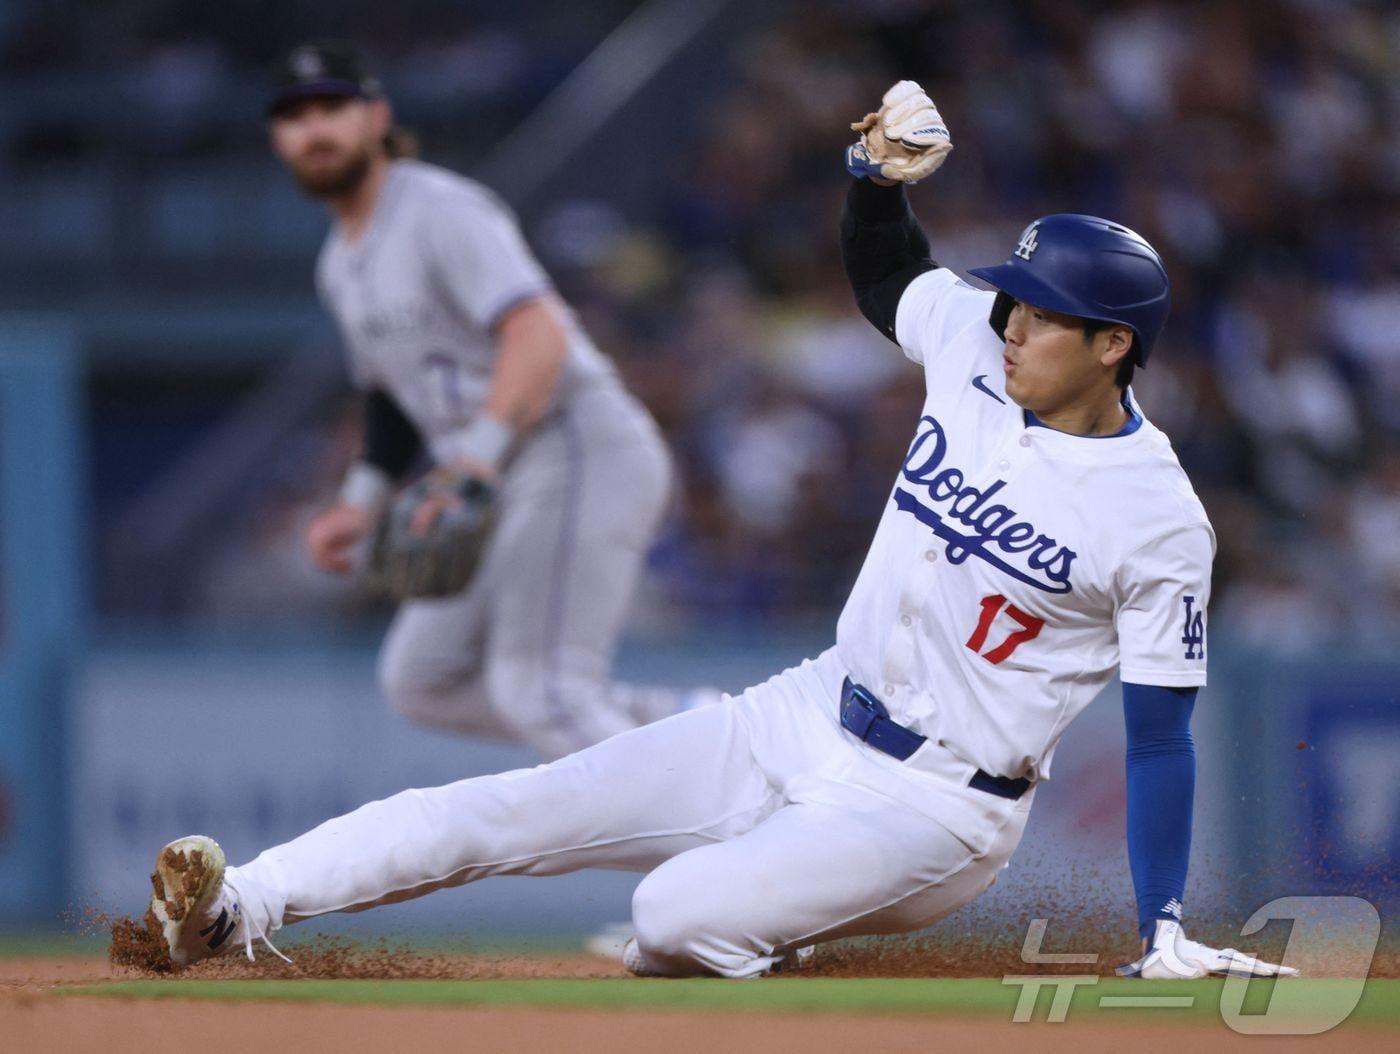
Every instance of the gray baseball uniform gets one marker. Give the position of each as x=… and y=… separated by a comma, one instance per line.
x=525, y=652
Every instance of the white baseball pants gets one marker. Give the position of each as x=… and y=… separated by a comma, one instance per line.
x=764, y=825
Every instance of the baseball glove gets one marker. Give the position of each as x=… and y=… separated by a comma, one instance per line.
x=405, y=563
x=905, y=141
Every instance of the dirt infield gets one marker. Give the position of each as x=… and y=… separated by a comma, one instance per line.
x=35, y=1017
x=332, y=961
x=977, y=951
x=108, y=1026
x=137, y=951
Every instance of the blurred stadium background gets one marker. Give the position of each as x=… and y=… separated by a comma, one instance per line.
x=173, y=405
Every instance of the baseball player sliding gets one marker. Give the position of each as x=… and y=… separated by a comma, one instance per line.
x=518, y=555
x=1039, y=535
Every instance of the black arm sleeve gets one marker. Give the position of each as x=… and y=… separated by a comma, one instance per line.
x=392, y=443
x=883, y=248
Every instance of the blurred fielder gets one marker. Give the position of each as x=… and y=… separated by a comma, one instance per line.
x=517, y=557
x=1039, y=535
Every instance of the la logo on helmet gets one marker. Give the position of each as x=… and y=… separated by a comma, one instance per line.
x=1027, y=244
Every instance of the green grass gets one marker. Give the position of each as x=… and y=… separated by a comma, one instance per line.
x=1379, y=1006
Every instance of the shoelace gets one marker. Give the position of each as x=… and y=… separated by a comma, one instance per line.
x=248, y=935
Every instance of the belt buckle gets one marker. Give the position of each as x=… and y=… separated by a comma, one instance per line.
x=869, y=709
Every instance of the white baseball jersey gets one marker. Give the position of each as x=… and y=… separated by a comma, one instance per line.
x=1015, y=566
x=417, y=295
x=1012, y=570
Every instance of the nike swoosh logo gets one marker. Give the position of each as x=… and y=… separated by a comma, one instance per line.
x=220, y=928
x=977, y=382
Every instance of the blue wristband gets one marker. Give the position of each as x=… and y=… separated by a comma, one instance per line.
x=858, y=162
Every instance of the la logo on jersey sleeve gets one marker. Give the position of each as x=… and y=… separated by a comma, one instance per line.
x=1193, y=633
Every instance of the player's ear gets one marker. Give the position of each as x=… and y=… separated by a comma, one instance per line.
x=381, y=117
x=1118, y=344
x=273, y=138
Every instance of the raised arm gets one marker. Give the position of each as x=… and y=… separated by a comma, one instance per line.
x=883, y=248
x=882, y=244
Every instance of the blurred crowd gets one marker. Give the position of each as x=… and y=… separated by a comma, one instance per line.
x=1257, y=145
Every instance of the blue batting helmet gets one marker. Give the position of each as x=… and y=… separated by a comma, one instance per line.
x=1087, y=267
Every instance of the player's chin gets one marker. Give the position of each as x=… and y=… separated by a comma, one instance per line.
x=329, y=178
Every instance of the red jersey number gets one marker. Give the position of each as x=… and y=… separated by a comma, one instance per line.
x=992, y=606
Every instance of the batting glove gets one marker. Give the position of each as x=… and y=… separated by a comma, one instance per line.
x=905, y=141
x=1173, y=957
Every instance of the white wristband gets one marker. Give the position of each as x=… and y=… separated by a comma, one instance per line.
x=365, y=486
x=484, y=441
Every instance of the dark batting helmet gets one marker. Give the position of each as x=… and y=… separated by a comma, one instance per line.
x=1087, y=267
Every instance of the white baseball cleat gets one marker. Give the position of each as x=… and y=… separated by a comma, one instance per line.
x=633, y=962
x=197, y=916
x=797, y=959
